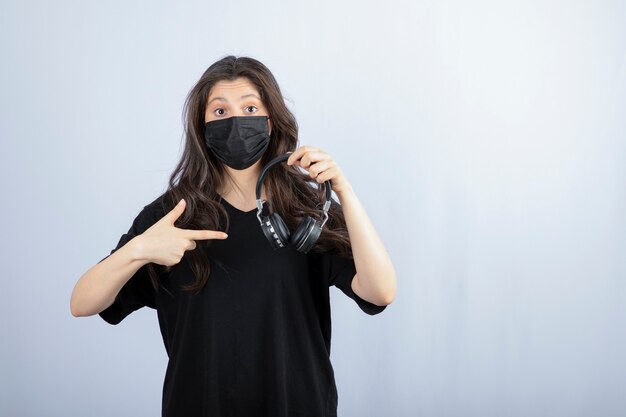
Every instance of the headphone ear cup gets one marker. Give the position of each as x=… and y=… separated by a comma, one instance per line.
x=280, y=228
x=306, y=234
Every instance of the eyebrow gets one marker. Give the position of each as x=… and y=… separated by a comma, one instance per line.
x=242, y=97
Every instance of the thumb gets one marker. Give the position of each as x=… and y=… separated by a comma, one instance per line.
x=176, y=212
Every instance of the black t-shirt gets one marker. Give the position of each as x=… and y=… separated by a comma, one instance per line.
x=256, y=340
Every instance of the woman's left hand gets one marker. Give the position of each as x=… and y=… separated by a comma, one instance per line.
x=321, y=167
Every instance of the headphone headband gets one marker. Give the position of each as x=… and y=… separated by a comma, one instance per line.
x=264, y=172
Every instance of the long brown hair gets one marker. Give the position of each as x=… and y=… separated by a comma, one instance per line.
x=199, y=174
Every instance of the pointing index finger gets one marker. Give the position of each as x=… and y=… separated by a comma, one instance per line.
x=204, y=234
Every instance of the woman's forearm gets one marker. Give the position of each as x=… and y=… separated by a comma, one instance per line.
x=97, y=288
x=375, y=273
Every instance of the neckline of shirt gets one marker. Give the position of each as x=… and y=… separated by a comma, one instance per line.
x=235, y=208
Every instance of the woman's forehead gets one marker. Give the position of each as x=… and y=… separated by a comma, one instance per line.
x=239, y=85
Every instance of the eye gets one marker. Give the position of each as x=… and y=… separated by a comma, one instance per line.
x=216, y=110
x=249, y=107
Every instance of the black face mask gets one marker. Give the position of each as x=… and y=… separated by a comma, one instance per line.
x=238, y=141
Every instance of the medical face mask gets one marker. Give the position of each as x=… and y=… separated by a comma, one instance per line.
x=238, y=141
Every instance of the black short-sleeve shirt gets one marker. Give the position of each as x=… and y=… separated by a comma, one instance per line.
x=256, y=340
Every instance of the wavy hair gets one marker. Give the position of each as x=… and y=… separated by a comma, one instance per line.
x=199, y=174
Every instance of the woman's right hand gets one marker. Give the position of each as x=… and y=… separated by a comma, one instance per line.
x=165, y=244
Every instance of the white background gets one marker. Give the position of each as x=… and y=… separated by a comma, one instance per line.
x=485, y=139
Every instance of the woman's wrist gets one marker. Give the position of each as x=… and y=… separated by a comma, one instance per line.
x=137, y=250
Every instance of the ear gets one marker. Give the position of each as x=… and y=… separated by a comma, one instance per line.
x=269, y=121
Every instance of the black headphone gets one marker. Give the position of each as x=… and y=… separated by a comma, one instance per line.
x=274, y=227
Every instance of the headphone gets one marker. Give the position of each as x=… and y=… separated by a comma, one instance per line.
x=273, y=226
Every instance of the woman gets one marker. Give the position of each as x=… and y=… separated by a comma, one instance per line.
x=246, y=327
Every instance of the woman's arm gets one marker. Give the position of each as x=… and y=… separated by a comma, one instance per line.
x=98, y=287
x=375, y=280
